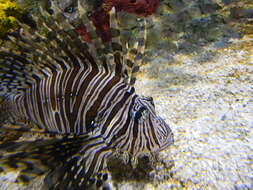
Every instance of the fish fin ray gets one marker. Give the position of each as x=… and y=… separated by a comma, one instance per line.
x=67, y=153
x=81, y=169
x=135, y=54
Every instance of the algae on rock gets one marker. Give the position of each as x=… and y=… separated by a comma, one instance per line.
x=9, y=13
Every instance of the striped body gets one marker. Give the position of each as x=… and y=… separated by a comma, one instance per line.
x=69, y=101
x=82, y=99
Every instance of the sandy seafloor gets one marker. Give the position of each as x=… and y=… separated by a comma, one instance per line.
x=207, y=98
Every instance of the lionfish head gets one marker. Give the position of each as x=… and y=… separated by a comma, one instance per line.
x=153, y=133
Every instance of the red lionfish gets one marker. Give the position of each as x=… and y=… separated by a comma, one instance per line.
x=79, y=93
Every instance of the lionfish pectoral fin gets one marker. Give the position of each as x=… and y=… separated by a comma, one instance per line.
x=5, y=110
x=63, y=178
x=37, y=157
x=83, y=170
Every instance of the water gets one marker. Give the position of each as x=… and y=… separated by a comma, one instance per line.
x=201, y=79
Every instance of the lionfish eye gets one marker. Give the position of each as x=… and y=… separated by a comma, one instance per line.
x=69, y=9
x=138, y=114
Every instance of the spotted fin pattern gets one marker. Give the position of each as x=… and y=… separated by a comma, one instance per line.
x=73, y=161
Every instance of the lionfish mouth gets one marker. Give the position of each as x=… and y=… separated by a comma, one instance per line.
x=169, y=137
x=169, y=141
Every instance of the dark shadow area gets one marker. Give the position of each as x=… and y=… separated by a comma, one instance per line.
x=145, y=171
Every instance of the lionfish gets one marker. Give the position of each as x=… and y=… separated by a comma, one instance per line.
x=79, y=98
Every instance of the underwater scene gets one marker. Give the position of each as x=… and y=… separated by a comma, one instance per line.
x=126, y=94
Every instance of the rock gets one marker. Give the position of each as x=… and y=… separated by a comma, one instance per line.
x=239, y=12
x=208, y=6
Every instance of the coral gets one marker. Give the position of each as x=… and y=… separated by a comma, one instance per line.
x=100, y=17
x=9, y=12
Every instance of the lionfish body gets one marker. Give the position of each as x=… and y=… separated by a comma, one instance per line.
x=78, y=91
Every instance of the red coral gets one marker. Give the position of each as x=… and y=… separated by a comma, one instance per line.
x=100, y=17
x=81, y=30
x=101, y=21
